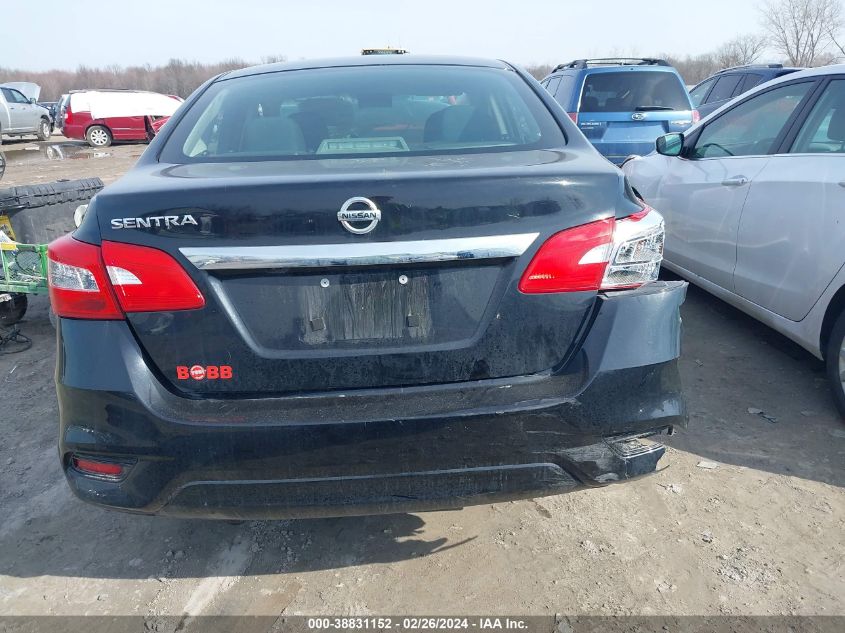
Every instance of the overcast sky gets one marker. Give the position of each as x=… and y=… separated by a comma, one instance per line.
x=40, y=35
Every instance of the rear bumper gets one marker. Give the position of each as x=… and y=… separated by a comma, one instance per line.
x=379, y=450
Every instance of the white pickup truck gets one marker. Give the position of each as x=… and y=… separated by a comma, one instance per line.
x=19, y=114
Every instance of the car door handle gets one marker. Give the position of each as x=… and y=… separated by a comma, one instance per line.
x=738, y=181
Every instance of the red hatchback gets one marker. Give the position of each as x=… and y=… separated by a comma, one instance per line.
x=103, y=116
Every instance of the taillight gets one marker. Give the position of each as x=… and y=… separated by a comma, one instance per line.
x=78, y=284
x=149, y=280
x=637, y=251
x=696, y=116
x=573, y=116
x=90, y=282
x=606, y=255
x=571, y=260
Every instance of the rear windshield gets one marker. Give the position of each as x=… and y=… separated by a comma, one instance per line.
x=631, y=91
x=370, y=110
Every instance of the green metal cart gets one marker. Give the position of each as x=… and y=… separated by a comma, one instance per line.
x=24, y=273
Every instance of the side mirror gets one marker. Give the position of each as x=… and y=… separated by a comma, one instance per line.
x=670, y=144
x=32, y=100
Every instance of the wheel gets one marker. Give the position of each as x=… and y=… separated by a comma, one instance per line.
x=43, y=132
x=2, y=165
x=836, y=362
x=13, y=310
x=98, y=136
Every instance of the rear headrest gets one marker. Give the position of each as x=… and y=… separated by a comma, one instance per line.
x=334, y=110
x=447, y=125
x=836, y=127
x=272, y=134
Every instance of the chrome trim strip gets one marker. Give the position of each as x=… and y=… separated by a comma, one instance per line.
x=359, y=254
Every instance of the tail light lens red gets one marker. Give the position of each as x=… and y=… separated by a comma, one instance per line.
x=696, y=116
x=571, y=260
x=606, y=255
x=573, y=116
x=149, y=280
x=90, y=282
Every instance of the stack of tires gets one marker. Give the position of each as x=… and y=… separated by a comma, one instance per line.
x=38, y=215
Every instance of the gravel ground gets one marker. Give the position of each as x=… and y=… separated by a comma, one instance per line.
x=746, y=520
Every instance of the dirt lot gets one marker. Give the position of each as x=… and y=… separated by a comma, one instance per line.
x=30, y=162
x=761, y=533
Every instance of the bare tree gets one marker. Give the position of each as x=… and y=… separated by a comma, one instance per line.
x=742, y=50
x=694, y=69
x=802, y=30
x=539, y=71
x=178, y=77
x=835, y=29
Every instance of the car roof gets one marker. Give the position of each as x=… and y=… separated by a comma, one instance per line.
x=368, y=60
x=615, y=68
x=121, y=90
x=745, y=68
x=775, y=72
x=832, y=69
x=626, y=67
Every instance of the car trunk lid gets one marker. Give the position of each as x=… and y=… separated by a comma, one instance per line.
x=295, y=302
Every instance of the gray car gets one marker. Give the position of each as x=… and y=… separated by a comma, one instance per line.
x=754, y=201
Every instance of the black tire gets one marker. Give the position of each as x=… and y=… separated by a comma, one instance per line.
x=12, y=311
x=836, y=363
x=98, y=136
x=23, y=197
x=43, y=132
x=2, y=165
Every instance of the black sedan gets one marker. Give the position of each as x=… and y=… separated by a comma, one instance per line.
x=360, y=286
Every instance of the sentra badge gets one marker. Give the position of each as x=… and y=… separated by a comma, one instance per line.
x=153, y=221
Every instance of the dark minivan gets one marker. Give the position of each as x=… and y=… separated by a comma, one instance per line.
x=717, y=90
x=361, y=286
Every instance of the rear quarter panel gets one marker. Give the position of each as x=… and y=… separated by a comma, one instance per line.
x=77, y=125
